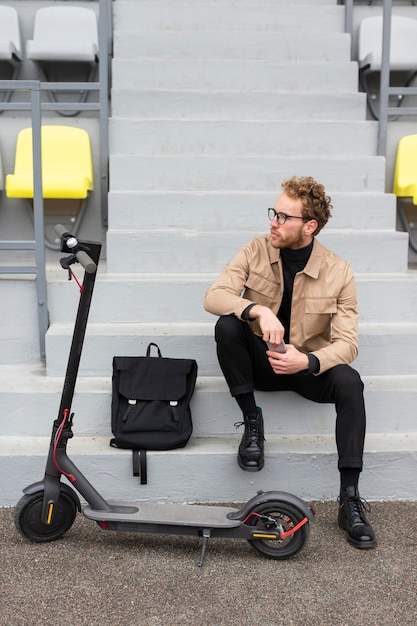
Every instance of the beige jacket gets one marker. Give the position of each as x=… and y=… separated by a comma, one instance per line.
x=324, y=318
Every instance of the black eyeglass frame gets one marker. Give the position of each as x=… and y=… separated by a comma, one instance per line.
x=282, y=217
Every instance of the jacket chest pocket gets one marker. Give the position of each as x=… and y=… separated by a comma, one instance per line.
x=318, y=313
x=261, y=289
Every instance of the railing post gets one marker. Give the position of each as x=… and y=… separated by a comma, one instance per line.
x=384, y=78
x=349, y=23
x=38, y=216
x=105, y=23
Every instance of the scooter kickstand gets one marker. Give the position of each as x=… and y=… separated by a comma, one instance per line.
x=206, y=537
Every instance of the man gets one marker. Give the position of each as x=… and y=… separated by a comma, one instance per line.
x=286, y=286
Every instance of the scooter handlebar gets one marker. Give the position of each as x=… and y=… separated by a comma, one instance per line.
x=86, y=261
x=72, y=242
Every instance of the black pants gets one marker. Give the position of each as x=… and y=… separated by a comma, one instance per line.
x=245, y=366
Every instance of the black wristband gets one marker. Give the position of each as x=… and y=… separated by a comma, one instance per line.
x=245, y=314
x=313, y=364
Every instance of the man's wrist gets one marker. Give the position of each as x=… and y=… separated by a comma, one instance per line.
x=245, y=314
x=313, y=364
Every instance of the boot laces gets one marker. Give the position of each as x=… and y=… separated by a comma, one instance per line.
x=253, y=430
x=357, y=506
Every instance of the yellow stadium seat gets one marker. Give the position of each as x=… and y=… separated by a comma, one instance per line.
x=405, y=176
x=1, y=175
x=405, y=184
x=67, y=173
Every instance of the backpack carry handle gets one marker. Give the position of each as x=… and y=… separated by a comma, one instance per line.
x=148, y=351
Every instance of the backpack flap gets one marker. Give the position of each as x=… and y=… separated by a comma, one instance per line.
x=149, y=378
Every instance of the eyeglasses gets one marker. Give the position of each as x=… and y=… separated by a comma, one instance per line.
x=282, y=217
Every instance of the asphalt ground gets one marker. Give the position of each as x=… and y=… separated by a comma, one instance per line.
x=121, y=579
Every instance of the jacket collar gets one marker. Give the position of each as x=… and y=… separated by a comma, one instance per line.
x=312, y=268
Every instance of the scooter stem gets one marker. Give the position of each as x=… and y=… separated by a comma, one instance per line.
x=52, y=472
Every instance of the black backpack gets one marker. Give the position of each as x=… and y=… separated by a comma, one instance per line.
x=151, y=404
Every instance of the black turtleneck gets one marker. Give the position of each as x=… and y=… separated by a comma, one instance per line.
x=293, y=261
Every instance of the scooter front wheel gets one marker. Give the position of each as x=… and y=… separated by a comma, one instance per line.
x=282, y=517
x=28, y=517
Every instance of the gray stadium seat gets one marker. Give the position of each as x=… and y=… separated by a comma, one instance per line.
x=65, y=44
x=403, y=50
x=10, y=45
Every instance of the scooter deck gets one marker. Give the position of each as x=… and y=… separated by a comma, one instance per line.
x=170, y=514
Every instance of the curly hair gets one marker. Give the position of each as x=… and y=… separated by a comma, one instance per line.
x=316, y=204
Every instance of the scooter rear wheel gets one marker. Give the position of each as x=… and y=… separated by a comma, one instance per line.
x=282, y=517
x=28, y=512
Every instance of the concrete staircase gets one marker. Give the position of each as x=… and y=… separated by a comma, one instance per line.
x=213, y=106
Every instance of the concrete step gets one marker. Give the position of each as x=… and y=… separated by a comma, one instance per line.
x=26, y=391
x=240, y=76
x=206, y=469
x=212, y=44
x=231, y=210
x=383, y=348
x=210, y=173
x=229, y=17
x=129, y=298
x=191, y=104
x=176, y=251
x=234, y=138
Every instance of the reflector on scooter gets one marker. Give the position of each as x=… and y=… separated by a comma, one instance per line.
x=103, y=524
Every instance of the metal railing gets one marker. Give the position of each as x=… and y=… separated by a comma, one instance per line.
x=35, y=106
x=385, y=90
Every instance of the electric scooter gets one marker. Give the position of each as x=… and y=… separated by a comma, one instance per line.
x=275, y=523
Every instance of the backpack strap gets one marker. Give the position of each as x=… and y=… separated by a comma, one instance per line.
x=139, y=465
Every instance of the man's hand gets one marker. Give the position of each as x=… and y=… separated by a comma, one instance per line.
x=272, y=329
x=292, y=362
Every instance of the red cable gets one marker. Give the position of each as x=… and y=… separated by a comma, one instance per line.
x=250, y=515
x=282, y=535
x=70, y=477
x=76, y=280
x=294, y=529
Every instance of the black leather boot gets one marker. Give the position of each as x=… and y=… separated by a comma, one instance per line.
x=251, y=449
x=352, y=519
